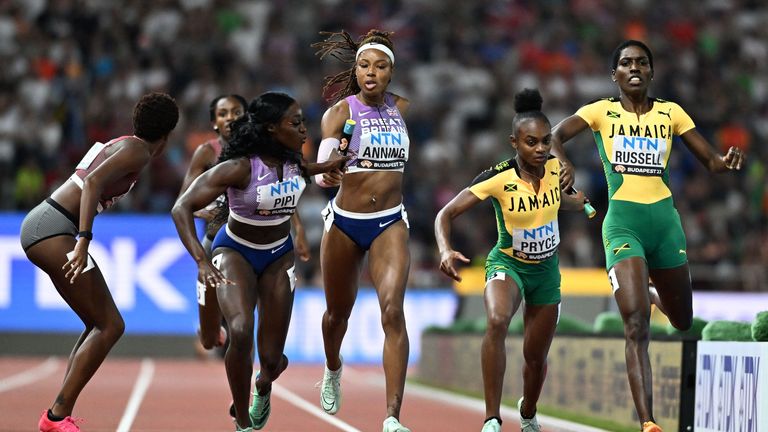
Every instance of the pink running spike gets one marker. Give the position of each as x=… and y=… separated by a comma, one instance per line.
x=66, y=425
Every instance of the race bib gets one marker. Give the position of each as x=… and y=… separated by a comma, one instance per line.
x=384, y=144
x=87, y=160
x=639, y=155
x=536, y=244
x=280, y=198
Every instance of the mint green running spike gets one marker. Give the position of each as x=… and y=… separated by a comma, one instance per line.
x=527, y=425
x=330, y=389
x=392, y=424
x=260, y=409
x=491, y=425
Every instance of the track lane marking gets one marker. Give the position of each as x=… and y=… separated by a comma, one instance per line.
x=467, y=402
x=36, y=373
x=144, y=379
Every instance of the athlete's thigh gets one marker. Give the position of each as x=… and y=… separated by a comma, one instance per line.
x=277, y=284
x=88, y=296
x=502, y=295
x=389, y=262
x=239, y=297
x=540, y=324
x=276, y=293
x=340, y=260
x=629, y=281
x=674, y=288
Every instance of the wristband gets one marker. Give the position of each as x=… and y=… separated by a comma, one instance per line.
x=85, y=234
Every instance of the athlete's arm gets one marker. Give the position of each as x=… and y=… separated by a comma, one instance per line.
x=203, y=190
x=573, y=202
x=202, y=158
x=331, y=125
x=131, y=157
x=458, y=205
x=711, y=160
x=300, y=243
x=562, y=132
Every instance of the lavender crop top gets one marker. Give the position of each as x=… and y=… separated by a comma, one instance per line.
x=266, y=200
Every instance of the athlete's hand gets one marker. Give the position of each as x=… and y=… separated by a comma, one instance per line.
x=567, y=175
x=333, y=178
x=209, y=275
x=332, y=164
x=734, y=158
x=204, y=214
x=78, y=261
x=301, y=247
x=446, y=263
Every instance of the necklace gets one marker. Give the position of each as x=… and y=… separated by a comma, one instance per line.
x=534, y=175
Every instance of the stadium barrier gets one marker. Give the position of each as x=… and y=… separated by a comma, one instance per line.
x=731, y=387
x=586, y=375
x=152, y=279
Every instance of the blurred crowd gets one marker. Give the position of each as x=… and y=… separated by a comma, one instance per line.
x=72, y=71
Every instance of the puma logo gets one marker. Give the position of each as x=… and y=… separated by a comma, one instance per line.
x=666, y=113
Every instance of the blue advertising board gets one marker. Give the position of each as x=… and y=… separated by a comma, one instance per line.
x=152, y=279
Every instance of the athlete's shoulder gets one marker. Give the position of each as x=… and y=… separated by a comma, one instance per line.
x=205, y=153
x=552, y=160
x=495, y=170
x=401, y=102
x=336, y=115
x=665, y=103
x=604, y=100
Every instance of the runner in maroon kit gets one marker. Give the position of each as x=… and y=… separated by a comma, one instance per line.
x=56, y=234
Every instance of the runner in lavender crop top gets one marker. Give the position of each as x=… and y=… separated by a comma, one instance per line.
x=380, y=140
x=267, y=200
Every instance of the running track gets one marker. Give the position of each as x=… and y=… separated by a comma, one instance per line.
x=154, y=395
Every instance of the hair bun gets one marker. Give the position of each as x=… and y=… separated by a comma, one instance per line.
x=528, y=100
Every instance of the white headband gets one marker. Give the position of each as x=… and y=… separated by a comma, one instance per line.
x=383, y=48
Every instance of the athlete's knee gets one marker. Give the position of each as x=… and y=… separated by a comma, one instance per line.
x=681, y=320
x=636, y=327
x=498, y=322
x=336, y=318
x=209, y=339
x=271, y=364
x=535, y=362
x=113, y=329
x=393, y=317
x=241, y=334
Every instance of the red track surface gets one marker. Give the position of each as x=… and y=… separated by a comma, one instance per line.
x=192, y=395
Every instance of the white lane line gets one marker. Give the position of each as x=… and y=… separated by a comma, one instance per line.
x=36, y=373
x=474, y=404
x=146, y=372
x=303, y=404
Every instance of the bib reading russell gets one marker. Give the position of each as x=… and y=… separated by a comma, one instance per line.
x=635, y=150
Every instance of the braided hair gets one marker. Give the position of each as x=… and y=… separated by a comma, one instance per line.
x=154, y=116
x=341, y=46
x=528, y=104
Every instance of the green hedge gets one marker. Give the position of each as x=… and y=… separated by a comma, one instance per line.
x=694, y=332
x=609, y=323
x=736, y=331
x=760, y=327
